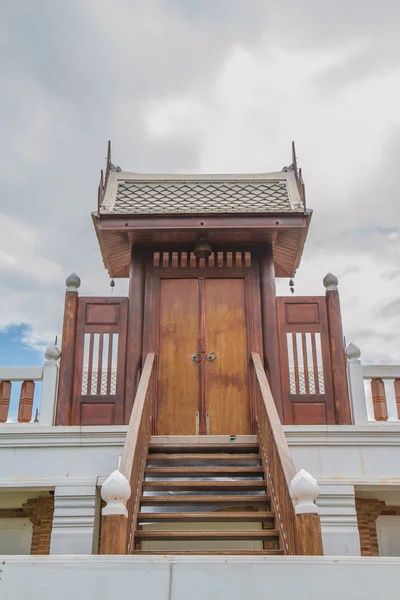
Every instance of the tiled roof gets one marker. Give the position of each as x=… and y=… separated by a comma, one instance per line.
x=129, y=193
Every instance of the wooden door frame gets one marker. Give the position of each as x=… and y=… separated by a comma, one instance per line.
x=151, y=330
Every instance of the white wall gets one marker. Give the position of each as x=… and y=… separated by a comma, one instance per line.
x=75, y=460
x=197, y=578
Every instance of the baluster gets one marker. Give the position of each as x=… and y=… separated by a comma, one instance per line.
x=5, y=394
x=379, y=399
x=397, y=395
x=26, y=402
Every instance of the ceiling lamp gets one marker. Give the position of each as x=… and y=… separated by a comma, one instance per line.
x=202, y=248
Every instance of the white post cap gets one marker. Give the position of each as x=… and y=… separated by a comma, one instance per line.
x=353, y=352
x=304, y=491
x=73, y=283
x=116, y=492
x=330, y=282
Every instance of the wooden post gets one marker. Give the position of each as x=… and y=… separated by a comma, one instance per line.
x=135, y=329
x=397, y=395
x=26, y=402
x=114, y=531
x=67, y=365
x=5, y=394
x=308, y=535
x=338, y=359
x=270, y=325
x=379, y=399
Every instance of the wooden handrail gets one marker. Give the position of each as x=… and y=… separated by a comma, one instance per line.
x=118, y=532
x=301, y=534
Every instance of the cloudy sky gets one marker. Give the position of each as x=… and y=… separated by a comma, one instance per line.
x=199, y=86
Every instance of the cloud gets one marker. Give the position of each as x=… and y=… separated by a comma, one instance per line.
x=181, y=86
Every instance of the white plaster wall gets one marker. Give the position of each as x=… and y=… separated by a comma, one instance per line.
x=214, y=578
x=74, y=460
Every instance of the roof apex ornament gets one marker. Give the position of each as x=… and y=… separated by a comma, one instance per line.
x=304, y=491
x=330, y=282
x=353, y=352
x=116, y=492
x=73, y=283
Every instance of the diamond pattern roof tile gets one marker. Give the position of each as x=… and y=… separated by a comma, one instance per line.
x=161, y=197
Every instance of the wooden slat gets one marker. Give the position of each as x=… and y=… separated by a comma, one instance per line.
x=379, y=399
x=397, y=395
x=251, y=534
x=203, y=457
x=209, y=499
x=207, y=517
x=204, y=485
x=272, y=552
x=203, y=471
x=233, y=448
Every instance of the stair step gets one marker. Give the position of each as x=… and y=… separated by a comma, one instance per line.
x=271, y=552
x=207, y=517
x=209, y=499
x=204, y=457
x=205, y=485
x=233, y=447
x=251, y=534
x=204, y=471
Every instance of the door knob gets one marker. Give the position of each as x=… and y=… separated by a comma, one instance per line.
x=211, y=357
x=196, y=357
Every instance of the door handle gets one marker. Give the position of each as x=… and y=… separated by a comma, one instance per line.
x=211, y=357
x=196, y=357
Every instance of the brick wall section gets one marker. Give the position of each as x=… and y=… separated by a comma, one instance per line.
x=40, y=512
x=368, y=510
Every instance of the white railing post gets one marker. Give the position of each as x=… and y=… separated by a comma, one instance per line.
x=356, y=384
x=49, y=386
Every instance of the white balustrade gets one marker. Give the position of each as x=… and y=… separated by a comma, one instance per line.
x=28, y=376
x=374, y=389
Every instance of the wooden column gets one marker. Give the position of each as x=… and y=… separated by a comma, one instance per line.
x=308, y=535
x=379, y=399
x=5, y=394
x=135, y=328
x=67, y=364
x=338, y=358
x=114, y=531
x=270, y=324
x=26, y=402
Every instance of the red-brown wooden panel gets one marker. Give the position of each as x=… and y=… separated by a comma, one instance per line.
x=99, y=375
x=305, y=361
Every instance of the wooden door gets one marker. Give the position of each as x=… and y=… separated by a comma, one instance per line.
x=203, y=316
x=178, y=375
x=226, y=377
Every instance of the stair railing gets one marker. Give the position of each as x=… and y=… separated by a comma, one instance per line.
x=300, y=533
x=118, y=526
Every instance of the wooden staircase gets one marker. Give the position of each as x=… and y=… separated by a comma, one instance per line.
x=205, y=498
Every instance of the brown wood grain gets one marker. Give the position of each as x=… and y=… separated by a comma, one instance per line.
x=134, y=343
x=113, y=534
x=379, y=399
x=67, y=362
x=338, y=358
x=226, y=378
x=308, y=535
x=299, y=316
x=26, y=402
x=178, y=375
x=5, y=395
x=397, y=395
x=270, y=324
x=280, y=470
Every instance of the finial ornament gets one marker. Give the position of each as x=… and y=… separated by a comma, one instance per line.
x=73, y=282
x=330, y=282
x=116, y=492
x=304, y=491
x=52, y=353
x=353, y=352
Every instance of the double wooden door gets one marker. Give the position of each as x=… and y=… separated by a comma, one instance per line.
x=203, y=380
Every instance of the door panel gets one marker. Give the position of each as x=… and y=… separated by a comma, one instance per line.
x=178, y=375
x=226, y=378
